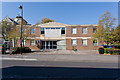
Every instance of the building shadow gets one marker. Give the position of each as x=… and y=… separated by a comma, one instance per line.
x=58, y=73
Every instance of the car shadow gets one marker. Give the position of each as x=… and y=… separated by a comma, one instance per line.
x=58, y=73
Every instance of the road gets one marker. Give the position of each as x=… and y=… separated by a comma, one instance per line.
x=24, y=69
x=59, y=65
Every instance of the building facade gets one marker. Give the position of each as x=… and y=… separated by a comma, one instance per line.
x=54, y=35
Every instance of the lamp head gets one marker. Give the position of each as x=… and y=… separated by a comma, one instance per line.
x=20, y=7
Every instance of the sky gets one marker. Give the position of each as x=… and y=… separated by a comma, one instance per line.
x=63, y=12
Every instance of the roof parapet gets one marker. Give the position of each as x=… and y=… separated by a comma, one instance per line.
x=84, y=25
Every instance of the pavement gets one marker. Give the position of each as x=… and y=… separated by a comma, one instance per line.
x=63, y=55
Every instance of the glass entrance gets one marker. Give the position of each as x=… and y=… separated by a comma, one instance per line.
x=49, y=45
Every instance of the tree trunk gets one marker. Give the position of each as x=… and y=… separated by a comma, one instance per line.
x=107, y=44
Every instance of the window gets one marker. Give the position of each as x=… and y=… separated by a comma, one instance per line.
x=32, y=42
x=32, y=30
x=84, y=30
x=57, y=28
x=94, y=30
x=52, y=28
x=84, y=42
x=47, y=28
x=62, y=30
x=42, y=30
x=74, y=42
x=74, y=30
x=95, y=43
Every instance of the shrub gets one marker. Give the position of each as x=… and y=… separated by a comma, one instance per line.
x=16, y=49
x=117, y=47
x=101, y=50
x=111, y=51
x=24, y=49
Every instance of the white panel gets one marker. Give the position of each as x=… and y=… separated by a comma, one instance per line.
x=61, y=44
x=52, y=33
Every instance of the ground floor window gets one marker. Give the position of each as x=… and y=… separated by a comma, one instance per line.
x=84, y=42
x=32, y=42
x=49, y=45
x=95, y=43
x=74, y=42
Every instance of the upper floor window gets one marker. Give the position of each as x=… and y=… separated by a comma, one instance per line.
x=57, y=27
x=84, y=42
x=62, y=30
x=32, y=42
x=42, y=30
x=32, y=30
x=94, y=30
x=95, y=43
x=84, y=30
x=47, y=28
x=74, y=30
x=52, y=28
x=74, y=42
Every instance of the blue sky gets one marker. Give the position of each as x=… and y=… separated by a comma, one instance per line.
x=63, y=12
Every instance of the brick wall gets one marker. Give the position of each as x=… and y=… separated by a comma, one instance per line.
x=79, y=45
x=78, y=36
x=37, y=31
x=79, y=31
x=27, y=44
x=30, y=36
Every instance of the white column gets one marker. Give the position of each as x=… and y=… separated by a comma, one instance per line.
x=45, y=44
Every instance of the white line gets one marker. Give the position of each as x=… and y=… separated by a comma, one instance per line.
x=18, y=59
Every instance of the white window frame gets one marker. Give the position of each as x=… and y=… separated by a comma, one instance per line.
x=95, y=30
x=62, y=29
x=24, y=42
x=85, y=42
x=83, y=31
x=95, y=43
x=74, y=31
x=32, y=44
x=43, y=29
x=74, y=42
x=34, y=30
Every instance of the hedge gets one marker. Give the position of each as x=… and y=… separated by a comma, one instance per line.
x=112, y=51
x=24, y=49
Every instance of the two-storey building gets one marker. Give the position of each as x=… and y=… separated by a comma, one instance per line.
x=54, y=35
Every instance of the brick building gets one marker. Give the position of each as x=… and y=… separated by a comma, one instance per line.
x=54, y=35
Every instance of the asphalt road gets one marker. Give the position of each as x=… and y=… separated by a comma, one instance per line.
x=20, y=69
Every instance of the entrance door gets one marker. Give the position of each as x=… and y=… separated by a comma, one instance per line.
x=49, y=45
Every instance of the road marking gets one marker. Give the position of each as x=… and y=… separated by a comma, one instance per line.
x=18, y=59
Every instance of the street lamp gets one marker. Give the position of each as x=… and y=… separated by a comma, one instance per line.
x=21, y=7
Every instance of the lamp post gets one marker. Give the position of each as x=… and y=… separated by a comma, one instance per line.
x=21, y=7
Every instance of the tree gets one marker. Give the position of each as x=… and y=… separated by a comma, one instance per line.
x=16, y=33
x=12, y=32
x=6, y=28
x=46, y=20
x=105, y=28
x=117, y=35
